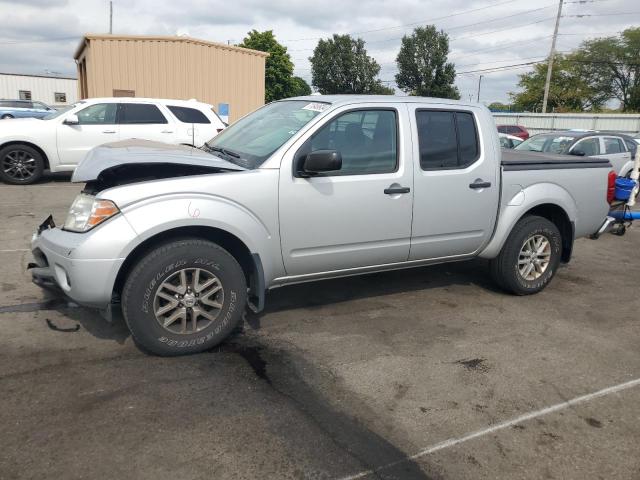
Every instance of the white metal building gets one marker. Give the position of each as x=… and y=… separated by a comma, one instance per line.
x=549, y=122
x=52, y=90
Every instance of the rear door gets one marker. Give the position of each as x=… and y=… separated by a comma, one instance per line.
x=456, y=178
x=145, y=121
x=97, y=125
x=616, y=151
x=360, y=215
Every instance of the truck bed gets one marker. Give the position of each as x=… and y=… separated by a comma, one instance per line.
x=523, y=160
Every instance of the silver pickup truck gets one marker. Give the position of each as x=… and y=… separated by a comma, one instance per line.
x=309, y=188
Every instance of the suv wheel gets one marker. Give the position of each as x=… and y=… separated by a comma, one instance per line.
x=20, y=164
x=184, y=297
x=529, y=258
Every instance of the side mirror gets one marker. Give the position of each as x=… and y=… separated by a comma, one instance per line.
x=579, y=153
x=322, y=161
x=71, y=120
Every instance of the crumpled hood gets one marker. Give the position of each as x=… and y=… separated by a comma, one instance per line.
x=132, y=152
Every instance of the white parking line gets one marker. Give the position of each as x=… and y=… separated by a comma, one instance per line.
x=13, y=250
x=500, y=426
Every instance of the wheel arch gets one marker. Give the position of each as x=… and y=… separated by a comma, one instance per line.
x=250, y=263
x=545, y=200
x=559, y=217
x=45, y=158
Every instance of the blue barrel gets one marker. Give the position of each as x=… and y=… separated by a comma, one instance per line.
x=624, y=186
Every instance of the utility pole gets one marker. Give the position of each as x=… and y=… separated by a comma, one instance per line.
x=479, y=83
x=110, y=18
x=552, y=54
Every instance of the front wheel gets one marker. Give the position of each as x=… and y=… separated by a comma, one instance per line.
x=6, y=116
x=529, y=258
x=20, y=164
x=183, y=297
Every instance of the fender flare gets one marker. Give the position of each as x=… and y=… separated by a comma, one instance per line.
x=520, y=204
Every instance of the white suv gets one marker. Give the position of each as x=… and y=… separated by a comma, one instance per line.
x=59, y=141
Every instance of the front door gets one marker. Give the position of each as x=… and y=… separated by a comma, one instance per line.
x=456, y=183
x=359, y=215
x=97, y=125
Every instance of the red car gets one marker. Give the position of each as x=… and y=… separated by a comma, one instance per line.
x=515, y=130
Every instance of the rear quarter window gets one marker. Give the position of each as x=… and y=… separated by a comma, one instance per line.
x=188, y=115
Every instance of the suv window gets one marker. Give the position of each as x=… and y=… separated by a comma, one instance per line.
x=613, y=145
x=188, y=115
x=140, y=113
x=590, y=146
x=98, y=114
x=366, y=139
x=446, y=139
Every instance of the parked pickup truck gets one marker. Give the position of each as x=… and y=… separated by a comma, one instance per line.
x=307, y=189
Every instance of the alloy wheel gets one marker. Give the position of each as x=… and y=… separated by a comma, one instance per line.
x=534, y=257
x=19, y=165
x=188, y=301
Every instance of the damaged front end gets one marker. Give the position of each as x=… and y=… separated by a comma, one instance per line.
x=135, y=161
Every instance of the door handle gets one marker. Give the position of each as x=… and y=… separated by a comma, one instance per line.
x=479, y=184
x=396, y=190
x=108, y=131
x=166, y=131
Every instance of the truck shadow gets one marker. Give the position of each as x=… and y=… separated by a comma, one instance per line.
x=319, y=294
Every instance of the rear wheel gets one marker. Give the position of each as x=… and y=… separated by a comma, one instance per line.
x=20, y=164
x=184, y=297
x=529, y=258
x=6, y=115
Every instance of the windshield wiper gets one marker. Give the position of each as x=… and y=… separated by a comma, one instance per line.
x=225, y=151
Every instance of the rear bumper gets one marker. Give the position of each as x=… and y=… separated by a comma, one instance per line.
x=60, y=265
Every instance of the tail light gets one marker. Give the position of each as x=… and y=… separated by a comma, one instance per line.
x=611, y=186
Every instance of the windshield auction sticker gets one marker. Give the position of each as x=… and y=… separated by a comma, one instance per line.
x=316, y=107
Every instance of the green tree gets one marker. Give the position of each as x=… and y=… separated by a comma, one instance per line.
x=614, y=64
x=498, y=107
x=422, y=64
x=341, y=65
x=299, y=87
x=571, y=90
x=278, y=68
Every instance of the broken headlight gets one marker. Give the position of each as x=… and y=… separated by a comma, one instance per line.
x=87, y=211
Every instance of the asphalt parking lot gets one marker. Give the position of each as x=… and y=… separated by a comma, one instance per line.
x=430, y=373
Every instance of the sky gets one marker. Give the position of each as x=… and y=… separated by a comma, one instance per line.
x=40, y=36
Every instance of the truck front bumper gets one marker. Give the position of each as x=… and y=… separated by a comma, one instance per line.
x=65, y=262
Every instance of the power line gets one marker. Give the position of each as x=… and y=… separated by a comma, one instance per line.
x=464, y=12
x=580, y=15
x=42, y=40
x=454, y=38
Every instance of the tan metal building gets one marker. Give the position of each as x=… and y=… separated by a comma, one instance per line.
x=171, y=67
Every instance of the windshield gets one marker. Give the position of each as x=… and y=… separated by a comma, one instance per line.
x=251, y=140
x=60, y=111
x=548, y=143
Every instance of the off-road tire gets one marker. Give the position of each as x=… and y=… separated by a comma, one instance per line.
x=504, y=268
x=33, y=153
x=160, y=264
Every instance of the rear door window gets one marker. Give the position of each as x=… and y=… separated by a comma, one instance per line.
x=590, y=146
x=188, y=115
x=140, y=114
x=613, y=145
x=446, y=139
